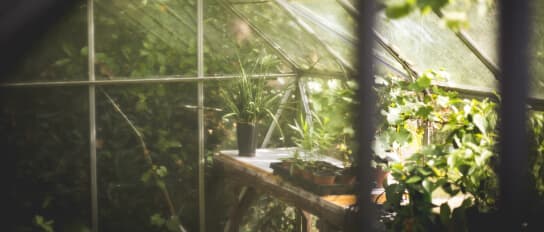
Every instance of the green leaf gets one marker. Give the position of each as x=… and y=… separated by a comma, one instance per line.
x=145, y=177
x=46, y=226
x=445, y=213
x=455, y=20
x=62, y=62
x=427, y=5
x=173, y=224
x=84, y=51
x=413, y=179
x=424, y=111
x=480, y=122
x=157, y=220
x=396, y=11
x=421, y=83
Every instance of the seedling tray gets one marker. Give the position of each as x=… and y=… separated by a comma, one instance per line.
x=333, y=189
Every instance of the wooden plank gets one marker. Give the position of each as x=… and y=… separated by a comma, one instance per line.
x=251, y=175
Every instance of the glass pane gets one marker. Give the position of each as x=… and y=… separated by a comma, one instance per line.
x=45, y=145
x=334, y=126
x=147, y=157
x=537, y=51
x=229, y=38
x=278, y=25
x=57, y=54
x=483, y=25
x=427, y=45
x=335, y=27
x=145, y=38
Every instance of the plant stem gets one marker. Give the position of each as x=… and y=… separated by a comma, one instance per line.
x=138, y=134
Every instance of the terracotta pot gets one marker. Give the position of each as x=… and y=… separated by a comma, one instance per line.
x=323, y=179
x=381, y=175
x=246, y=138
x=345, y=179
x=305, y=174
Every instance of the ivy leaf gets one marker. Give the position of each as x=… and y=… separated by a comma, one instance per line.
x=393, y=115
x=420, y=84
x=480, y=122
x=424, y=111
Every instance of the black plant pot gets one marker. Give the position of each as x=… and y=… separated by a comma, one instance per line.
x=247, y=139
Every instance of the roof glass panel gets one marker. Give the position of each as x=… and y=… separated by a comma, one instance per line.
x=145, y=38
x=334, y=28
x=482, y=25
x=229, y=39
x=427, y=45
x=278, y=25
x=56, y=56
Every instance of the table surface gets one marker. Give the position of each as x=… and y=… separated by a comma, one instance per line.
x=263, y=158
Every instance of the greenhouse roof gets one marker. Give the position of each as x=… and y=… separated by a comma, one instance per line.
x=309, y=37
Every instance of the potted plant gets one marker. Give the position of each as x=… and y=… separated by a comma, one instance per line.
x=248, y=101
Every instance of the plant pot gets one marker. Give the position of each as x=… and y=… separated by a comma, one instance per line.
x=303, y=173
x=381, y=175
x=323, y=178
x=246, y=137
x=345, y=178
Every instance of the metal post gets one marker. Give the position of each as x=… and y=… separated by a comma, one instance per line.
x=92, y=117
x=273, y=125
x=201, y=154
x=513, y=145
x=364, y=121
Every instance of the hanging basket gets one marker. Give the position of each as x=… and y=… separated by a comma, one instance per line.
x=246, y=137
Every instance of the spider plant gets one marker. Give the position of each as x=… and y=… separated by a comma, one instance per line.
x=248, y=100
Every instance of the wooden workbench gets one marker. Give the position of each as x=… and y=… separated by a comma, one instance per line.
x=255, y=173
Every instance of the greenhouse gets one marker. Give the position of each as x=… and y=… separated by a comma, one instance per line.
x=275, y=115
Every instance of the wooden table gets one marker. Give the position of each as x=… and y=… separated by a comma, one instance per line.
x=255, y=173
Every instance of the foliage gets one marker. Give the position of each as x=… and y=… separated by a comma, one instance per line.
x=536, y=151
x=337, y=123
x=457, y=160
x=269, y=215
x=247, y=100
x=454, y=20
x=311, y=137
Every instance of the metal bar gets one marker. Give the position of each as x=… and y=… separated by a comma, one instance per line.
x=514, y=56
x=270, y=131
x=142, y=80
x=92, y=117
x=201, y=152
x=340, y=60
x=267, y=40
x=305, y=102
x=364, y=120
x=467, y=41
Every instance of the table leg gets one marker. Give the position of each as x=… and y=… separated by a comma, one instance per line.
x=246, y=197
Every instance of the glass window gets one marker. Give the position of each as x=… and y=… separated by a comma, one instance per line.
x=147, y=151
x=45, y=137
x=145, y=39
x=60, y=54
